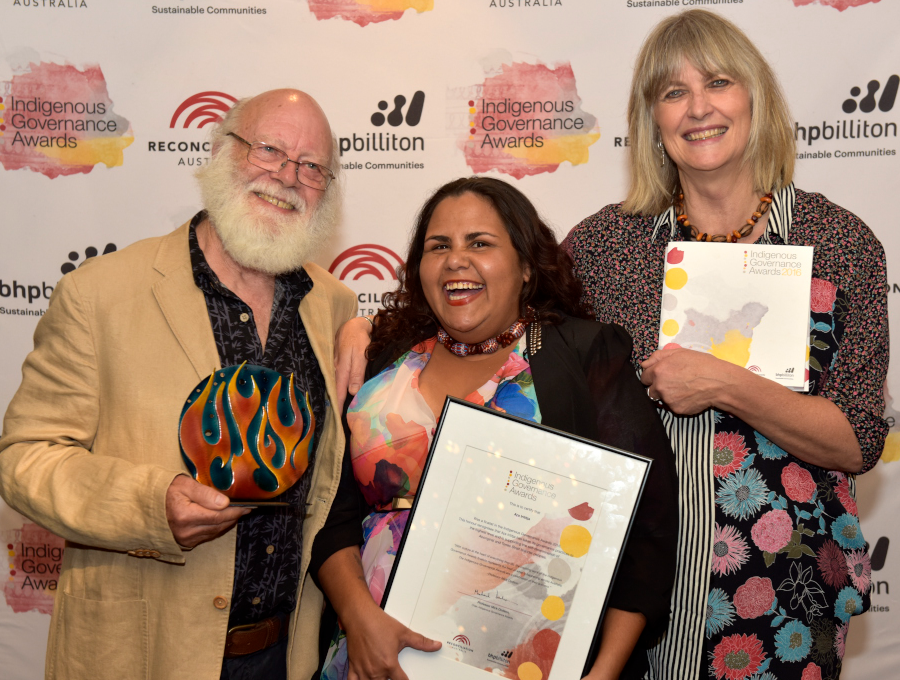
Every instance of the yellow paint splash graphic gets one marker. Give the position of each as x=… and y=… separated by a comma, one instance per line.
x=891, y=448
x=553, y=608
x=572, y=148
x=735, y=349
x=106, y=150
x=529, y=671
x=670, y=327
x=676, y=278
x=575, y=540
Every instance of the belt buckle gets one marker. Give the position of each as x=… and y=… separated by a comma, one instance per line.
x=243, y=626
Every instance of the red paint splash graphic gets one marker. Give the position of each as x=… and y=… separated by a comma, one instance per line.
x=540, y=650
x=839, y=5
x=59, y=120
x=675, y=256
x=582, y=512
x=35, y=556
x=527, y=119
x=365, y=12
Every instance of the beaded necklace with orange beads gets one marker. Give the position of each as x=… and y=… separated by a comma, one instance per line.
x=691, y=232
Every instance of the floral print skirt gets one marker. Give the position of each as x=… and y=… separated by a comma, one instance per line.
x=789, y=566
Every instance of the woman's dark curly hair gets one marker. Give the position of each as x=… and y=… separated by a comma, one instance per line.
x=407, y=319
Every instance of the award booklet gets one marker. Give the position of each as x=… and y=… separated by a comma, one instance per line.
x=511, y=547
x=745, y=304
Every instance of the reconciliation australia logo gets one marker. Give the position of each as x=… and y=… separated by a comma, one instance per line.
x=461, y=643
x=51, y=4
x=524, y=4
x=383, y=140
x=369, y=270
x=194, y=113
x=866, y=131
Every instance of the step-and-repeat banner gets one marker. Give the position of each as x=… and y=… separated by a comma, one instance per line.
x=104, y=108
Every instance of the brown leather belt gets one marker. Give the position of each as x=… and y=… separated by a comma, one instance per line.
x=254, y=637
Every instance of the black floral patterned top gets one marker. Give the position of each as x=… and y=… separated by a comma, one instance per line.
x=772, y=561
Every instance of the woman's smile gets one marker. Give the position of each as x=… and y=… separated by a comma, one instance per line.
x=462, y=292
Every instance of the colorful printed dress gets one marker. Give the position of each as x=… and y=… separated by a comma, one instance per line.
x=391, y=427
x=771, y=559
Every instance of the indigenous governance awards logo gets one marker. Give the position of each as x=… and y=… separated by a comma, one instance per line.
x=524, y=119
x=891, y=453
x=57, y=120
x=365, y=12
x=370, y=270
x=35, y=557
x=839, y=5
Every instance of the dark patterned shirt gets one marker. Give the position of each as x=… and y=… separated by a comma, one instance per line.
x=268, y=553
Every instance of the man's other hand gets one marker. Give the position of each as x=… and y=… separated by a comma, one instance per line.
x=198, y=513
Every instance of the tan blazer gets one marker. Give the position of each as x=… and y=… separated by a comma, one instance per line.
x=90, y=445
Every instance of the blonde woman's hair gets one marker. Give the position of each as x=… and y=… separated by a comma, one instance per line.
x=714, y=46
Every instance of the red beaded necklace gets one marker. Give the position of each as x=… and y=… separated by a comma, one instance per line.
x=693, y=234
x=491, y=345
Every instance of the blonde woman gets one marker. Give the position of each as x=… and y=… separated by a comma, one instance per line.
x=772, y=563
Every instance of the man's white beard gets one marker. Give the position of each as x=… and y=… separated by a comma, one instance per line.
x=273, y=244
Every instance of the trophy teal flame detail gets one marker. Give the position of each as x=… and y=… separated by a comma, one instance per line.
x=247, y=431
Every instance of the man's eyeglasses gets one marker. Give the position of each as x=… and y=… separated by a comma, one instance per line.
x=273, y=159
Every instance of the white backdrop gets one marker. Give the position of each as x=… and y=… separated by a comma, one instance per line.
x=125, y=89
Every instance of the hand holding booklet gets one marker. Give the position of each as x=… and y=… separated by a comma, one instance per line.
x=747, y=304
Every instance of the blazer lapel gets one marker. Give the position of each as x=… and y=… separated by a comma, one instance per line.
x=315, y=312
x=560, y=387
x=183, y=304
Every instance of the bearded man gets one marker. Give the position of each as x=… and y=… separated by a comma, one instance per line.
x=157, y=582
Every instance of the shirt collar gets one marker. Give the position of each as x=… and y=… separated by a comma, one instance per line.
x=778, y=227
x=293, y=284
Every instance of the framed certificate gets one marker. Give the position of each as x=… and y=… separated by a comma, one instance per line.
x=511, y=547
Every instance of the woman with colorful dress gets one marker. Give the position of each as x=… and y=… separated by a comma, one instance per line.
x=772, y=562
x=488, y=310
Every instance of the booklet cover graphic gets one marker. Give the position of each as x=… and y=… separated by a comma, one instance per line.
x=745, y=304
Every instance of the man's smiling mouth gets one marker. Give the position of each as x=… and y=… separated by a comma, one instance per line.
x=274, y=201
